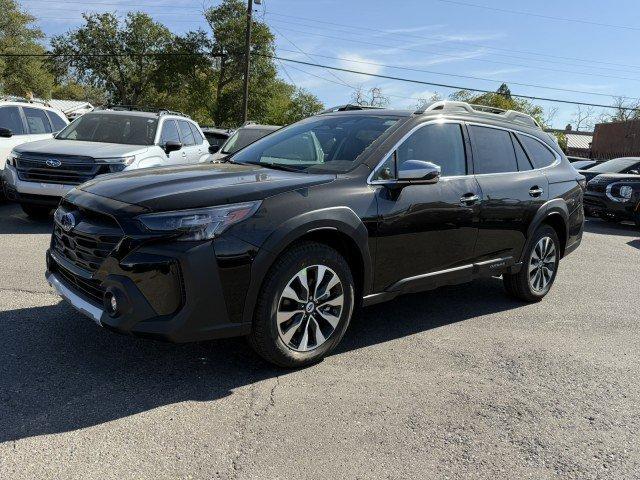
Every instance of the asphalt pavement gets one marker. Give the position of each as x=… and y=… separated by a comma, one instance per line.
x=461, y=382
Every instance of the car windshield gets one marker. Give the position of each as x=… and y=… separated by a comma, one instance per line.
x=244, y=137
x=319, y=144
x=112, y=128
x=616, y=165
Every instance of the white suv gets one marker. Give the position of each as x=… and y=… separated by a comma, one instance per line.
x=103, y=141
x=23, y=121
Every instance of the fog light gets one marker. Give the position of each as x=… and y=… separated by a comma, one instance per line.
x=111, y=303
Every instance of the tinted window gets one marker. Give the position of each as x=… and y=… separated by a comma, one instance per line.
x=37, y=121
x=169, y=132
x=186, y=134
x=325, y=143
x=492, y=150
x=521, y=156
x=10, y=118
x=540, y=155
x=196, y=134
x=242, y=138
x=112, y=128
x=441, y=144
x=57, y=121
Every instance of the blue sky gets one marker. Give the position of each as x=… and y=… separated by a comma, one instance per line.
x=429, y=40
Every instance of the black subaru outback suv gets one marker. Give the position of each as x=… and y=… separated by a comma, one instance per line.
x=283, y=241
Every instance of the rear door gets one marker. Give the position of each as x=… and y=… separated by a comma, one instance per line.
x=202, y=145
x=512, y=191
x=426, y=229
x=38, y=123
x=189, y=147
x=11, y=118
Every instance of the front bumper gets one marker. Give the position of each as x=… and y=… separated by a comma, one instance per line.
x=32, y=192
x=599, y=205
x=169, y=291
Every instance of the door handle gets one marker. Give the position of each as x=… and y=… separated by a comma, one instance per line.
x=184, y=154
x=536, y=191
x=469, y=199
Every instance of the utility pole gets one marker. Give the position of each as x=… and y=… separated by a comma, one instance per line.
x=247, y=61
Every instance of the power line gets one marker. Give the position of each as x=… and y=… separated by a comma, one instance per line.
x=530, y=14
x=590, y=74
x=468, y=77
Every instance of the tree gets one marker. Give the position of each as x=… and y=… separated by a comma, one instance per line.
x=122, y=58
x=371, y=98
x=290, y=104
x=22, y=75
x=425, y=102
x=583, y=118
x=623, y=111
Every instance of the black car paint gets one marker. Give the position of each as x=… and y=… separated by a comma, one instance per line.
x=396, y=239
x=598, y=203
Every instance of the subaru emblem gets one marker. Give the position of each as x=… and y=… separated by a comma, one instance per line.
x=68, y=221
x=53, y=162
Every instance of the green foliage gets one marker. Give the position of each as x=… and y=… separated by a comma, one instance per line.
x=22, y=75
x=289, y=104
x=562, y=140
x=72, y=90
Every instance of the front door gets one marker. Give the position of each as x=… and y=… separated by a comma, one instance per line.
x=425, y=229
x=11, y=119
x=512, y=192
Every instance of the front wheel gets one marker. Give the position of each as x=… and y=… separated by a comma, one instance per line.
x=304, y=306
x=539, y=270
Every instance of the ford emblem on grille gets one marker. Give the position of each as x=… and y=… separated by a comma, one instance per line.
x=53, y=162
x=68, y=221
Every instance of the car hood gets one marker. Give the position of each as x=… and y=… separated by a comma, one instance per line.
x=80, y=149
x=616, y=177
x=202, y=185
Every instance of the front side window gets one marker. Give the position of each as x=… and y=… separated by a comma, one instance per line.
x=492, y=150
x=186, y=134
x=57, y=121
x=10, y=118
x=169, y=132
x=439, y=143
x=540, y=155
x=37, y=121
x=325, y=143
x=112, y=128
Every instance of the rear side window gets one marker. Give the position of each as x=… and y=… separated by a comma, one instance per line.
x=186, y=133
x=37, y=121
x=493, y=150
x=10, y=118
x=196, y=134
x=441, y=144
x=540, y=155
x=57, y=121
x=169, y=132
x=523, y=161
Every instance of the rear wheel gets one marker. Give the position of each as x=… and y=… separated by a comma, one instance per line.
x=36, y=212
x=538, y=272
x=304, y=307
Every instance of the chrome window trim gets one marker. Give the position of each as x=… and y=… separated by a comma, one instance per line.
x=557, y=156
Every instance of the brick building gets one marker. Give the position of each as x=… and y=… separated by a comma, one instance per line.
x=616, y=139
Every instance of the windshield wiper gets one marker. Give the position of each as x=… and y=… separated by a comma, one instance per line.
x=277, y=166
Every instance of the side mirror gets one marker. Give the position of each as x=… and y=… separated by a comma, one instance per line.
x=419, y=171
x=5, y=133
x=214, y=148
x=172, y=146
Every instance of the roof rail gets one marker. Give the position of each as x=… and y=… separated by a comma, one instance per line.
x=136, y=108
x=347, y=107
x=15, y=98
x=509, y=115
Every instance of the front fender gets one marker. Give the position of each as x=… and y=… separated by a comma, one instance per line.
x=155, y=161
x=336, y=219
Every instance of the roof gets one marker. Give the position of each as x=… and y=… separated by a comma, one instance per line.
x=255, y=126
x=579, y=140
x=70, y=106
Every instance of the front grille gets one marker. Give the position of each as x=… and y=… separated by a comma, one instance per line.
x=73, y=170
x=596, y=187
x=93, y=238
x=88, y=288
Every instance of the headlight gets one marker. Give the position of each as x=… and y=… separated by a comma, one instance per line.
x=199, y=223
x=619, y=193
x=626, y=192
x=119, y=160
x=11, y=159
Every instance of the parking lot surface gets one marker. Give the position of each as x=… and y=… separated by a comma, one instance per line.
x=461, y=382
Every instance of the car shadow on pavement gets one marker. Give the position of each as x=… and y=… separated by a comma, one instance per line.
x=603, y=227
x=59, y=372
x=13, y=220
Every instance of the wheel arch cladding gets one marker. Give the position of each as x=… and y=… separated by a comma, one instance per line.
x=339, y=227
x=554, y=213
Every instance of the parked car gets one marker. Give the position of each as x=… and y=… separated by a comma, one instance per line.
x=216, y=136
x=583, y=164
x=576, y=159
x=286, y=238
x=23, y=121
x=242, y=137
x=105, y=141
x=614, y=197
x=617, y=165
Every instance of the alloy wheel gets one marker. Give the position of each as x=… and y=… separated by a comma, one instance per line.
x=542, y=265
x=309, y=308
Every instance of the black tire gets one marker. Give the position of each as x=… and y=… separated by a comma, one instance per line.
x=519, y=285
x=36, y=212
x=265, y=335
